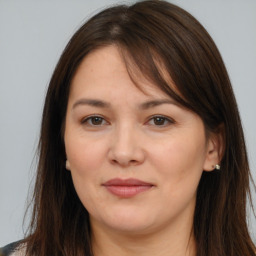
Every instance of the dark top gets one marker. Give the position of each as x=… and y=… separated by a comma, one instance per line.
x=8, y=249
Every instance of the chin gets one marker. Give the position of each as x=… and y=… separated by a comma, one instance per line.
x=128, y=221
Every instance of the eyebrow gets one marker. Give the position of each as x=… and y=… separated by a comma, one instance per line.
x=103, y=104
x=92, y=102
x=155, y=103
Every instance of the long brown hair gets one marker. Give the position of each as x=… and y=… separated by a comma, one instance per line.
x=147, y=33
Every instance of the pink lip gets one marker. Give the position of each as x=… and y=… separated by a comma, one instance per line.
x=126, y=187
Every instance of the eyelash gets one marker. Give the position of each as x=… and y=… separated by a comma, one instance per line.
x=89, y=120
x=163, y=118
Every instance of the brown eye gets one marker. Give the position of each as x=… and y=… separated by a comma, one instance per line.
x=160, y=121
x=94, y=121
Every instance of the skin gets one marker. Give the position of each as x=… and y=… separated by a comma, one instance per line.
x=127, y=140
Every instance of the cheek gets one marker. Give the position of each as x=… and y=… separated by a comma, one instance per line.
x=179, y=168
x=86, y=161
x=180, y=160
x=84, y=156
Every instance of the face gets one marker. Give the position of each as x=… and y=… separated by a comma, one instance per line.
x=136, y=157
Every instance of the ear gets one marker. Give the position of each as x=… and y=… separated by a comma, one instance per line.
x=67, y=165
x=215, y=149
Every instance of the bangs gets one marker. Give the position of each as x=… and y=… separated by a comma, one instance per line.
x=143, y=63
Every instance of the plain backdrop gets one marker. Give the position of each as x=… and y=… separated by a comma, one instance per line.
x=32, y=36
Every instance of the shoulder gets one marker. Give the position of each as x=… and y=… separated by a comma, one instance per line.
x=13, y=249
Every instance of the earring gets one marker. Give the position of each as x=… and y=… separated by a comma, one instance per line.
x=217, y=167
x=67, y=165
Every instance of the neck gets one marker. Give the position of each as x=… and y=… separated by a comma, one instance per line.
x=179, y=241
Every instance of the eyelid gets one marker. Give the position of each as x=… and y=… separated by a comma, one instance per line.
x=85, y=120
x=169, y=119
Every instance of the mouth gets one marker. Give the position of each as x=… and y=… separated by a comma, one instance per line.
x=126, y=188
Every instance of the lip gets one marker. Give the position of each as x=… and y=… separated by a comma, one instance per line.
x=127, y=188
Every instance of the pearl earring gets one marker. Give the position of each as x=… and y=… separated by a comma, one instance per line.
x=217, y=167
x=67, y=165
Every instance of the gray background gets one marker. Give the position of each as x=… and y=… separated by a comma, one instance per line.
x=32, y=37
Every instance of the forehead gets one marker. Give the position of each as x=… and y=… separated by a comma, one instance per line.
x=105, y=69
x=109, y=68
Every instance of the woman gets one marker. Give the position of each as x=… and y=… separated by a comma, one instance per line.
x=141, y=150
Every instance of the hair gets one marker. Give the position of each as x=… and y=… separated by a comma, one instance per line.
x=150, y=35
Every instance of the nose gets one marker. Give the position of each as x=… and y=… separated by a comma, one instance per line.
x=126, y=147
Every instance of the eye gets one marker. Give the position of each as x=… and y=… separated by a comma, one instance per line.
x=94, y=121
x=160, y=121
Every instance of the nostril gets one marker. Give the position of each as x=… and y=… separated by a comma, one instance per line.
x=124, y=156
x=124, y=162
